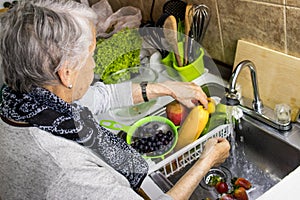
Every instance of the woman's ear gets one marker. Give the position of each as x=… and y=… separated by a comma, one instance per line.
x=66, y=77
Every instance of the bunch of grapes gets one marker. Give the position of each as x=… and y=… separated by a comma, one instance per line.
x=152, y=139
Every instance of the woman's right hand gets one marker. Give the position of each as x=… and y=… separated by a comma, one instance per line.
x=216, y=150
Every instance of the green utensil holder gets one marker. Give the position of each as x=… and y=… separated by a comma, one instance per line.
x=188, y=72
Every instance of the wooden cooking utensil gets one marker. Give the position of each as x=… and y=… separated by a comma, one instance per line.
x=170, y=32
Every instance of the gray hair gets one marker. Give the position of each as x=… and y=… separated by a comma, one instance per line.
x=39, y=36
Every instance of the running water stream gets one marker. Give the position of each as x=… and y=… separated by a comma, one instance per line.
x=240, y=166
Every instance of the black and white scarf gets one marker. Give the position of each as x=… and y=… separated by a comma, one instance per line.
x=43, y=109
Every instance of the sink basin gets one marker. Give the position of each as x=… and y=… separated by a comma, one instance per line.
x=268, y=148
x=259, y=153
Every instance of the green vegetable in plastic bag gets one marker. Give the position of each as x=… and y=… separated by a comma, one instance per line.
x=118, y=52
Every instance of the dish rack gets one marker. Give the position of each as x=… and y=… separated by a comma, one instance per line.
x=181, y=158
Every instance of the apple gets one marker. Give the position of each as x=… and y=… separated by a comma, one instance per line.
x=176, y=112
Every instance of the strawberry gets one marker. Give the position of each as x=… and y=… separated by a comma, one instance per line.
x=221, y=187
x=241, y=182
x=240, y=194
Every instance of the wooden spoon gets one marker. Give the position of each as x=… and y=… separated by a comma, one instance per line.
x=170, y=32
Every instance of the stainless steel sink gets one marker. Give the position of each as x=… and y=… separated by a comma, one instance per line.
x=278, y=153
x=259, y=153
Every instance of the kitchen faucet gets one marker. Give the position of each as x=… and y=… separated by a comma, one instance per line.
x=258, y=111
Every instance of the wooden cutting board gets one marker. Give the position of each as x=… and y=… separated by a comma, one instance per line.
x=278, y=75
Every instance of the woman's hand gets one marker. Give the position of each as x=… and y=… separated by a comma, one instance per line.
x=187, y=93
x=216, y=150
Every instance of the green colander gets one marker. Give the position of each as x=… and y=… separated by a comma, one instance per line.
x=134, y=131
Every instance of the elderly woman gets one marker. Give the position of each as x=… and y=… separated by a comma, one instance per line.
x=51, y=147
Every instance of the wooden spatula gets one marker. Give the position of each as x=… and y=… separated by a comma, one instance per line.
x=170, y=32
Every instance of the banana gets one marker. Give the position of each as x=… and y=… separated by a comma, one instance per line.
x=192, y=126
x=203, y=119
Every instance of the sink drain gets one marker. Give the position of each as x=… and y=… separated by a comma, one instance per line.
x=223, y=172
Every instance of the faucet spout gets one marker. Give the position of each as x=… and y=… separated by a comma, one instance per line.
x=257, y=102
x=258, y=111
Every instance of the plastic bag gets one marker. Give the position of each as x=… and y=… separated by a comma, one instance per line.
x=110, y=22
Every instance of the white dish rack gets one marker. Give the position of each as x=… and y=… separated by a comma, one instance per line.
x=178, y=160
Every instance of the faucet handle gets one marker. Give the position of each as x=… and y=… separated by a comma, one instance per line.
x=282, y=113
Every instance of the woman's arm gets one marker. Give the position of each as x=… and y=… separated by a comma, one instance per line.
x=187, y=93
x=100, y=97
x=215, y=152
